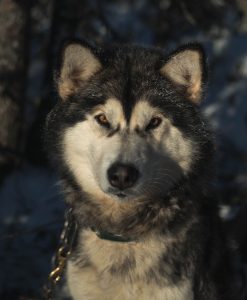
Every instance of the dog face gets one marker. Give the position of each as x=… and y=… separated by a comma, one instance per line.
x=127, y=126
x=142, y=157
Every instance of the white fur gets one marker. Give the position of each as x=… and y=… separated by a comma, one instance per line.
x=95, y=282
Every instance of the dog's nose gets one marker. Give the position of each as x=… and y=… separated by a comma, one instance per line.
x=122, y=176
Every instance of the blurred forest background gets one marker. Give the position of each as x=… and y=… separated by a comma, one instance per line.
x=31, y=33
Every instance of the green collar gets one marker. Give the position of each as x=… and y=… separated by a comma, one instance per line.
x=105, y=235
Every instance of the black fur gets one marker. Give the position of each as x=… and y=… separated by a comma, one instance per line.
x=130, y=73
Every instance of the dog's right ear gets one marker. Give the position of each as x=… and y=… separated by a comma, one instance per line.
x=78, y=64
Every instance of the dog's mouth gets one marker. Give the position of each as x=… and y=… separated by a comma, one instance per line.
x=126, y=195
x=121, y=195
x=116, y=193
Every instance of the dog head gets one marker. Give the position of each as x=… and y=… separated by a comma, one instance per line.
x=127, y=125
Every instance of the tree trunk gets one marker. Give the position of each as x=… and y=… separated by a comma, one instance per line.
x=14, y=19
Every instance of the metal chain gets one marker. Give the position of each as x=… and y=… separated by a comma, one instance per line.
x=67, y=239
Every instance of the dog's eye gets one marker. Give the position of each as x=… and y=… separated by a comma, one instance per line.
x=102, y=120
x=154, y=123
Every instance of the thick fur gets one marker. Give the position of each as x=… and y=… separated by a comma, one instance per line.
x=179, y=251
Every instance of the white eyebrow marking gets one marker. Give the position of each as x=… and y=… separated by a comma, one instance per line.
x=142, y=114
x=114, y=112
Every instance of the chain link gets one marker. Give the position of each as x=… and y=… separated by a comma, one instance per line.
x=67, y=239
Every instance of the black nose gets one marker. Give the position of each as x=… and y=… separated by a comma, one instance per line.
x=122, y=176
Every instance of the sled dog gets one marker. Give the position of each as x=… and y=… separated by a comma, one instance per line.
x=135, y=158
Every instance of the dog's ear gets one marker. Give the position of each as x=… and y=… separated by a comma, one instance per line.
x=186, y=69
x=78, y=64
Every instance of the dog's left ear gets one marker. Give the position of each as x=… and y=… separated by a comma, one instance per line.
x=186, y=69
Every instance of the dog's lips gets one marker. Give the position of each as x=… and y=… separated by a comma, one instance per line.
x=125, y=195
x=121, y=195
x=118, y=194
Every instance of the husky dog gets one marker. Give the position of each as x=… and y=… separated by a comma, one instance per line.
x=135, y=158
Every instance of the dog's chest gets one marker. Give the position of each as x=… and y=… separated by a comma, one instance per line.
x=123, y=271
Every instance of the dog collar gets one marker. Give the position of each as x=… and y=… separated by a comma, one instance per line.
x=109, y=236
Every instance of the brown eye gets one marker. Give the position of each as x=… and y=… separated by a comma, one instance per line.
x=154, y=123
x=102, y=120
